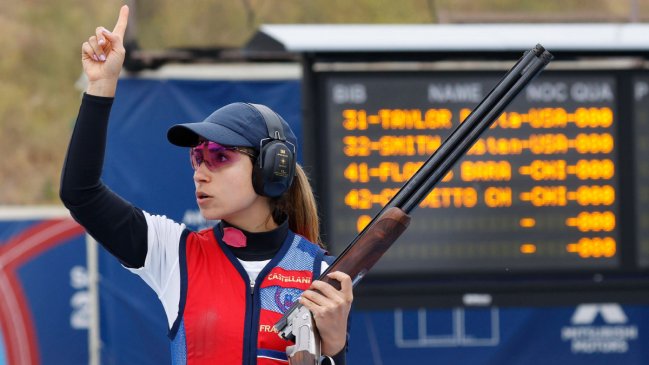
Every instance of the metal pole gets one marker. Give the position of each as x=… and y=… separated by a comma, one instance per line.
x=94, y=340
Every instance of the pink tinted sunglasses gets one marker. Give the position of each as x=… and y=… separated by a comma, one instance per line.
x=215, y=155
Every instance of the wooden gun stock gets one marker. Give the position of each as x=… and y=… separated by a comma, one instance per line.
x=369, y=248
x=358, y=259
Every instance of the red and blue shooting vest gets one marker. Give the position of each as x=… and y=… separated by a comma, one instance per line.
x=223, y=317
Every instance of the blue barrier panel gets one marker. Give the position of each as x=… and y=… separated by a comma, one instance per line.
x=605, y=333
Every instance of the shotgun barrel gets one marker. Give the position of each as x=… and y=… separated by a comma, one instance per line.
x=392, y=220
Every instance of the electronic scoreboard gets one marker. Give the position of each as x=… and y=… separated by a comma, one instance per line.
x=555, y=195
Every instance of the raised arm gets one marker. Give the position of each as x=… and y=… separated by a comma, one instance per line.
x=119, y=226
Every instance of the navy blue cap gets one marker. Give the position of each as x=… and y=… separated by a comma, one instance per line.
x=236, y=124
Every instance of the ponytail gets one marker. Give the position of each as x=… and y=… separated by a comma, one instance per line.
x=300, y=206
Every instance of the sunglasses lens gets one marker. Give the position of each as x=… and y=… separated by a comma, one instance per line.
x=196, y=156
x=213, y=155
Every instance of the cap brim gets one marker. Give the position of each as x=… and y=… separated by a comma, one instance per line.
x=188, y=135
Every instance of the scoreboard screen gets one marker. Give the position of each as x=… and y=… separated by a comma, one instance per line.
x=538, y=190
x=556, y=191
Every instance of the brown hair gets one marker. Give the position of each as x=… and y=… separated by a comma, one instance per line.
x=300, y=206
x=298, y=203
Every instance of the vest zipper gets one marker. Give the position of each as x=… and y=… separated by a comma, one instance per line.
x=253, y=346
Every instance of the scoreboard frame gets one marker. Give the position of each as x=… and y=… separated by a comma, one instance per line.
x=627, y=282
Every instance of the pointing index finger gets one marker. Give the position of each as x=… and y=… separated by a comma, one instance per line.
x=122, y=21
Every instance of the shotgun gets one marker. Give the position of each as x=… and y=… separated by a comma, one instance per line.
x=393, y=219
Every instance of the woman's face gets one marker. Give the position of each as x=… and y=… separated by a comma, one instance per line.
x=224, y=189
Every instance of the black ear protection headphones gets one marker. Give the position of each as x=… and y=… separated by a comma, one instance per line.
x=274, y=169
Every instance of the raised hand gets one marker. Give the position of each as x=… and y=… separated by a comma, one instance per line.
x=102, y=57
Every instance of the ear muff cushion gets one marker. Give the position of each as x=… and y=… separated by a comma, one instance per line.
x=277, y=169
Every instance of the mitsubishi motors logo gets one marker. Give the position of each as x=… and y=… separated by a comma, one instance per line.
x=599, y=328
x=587, y=313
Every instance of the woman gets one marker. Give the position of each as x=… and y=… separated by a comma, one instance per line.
x=222, y=288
